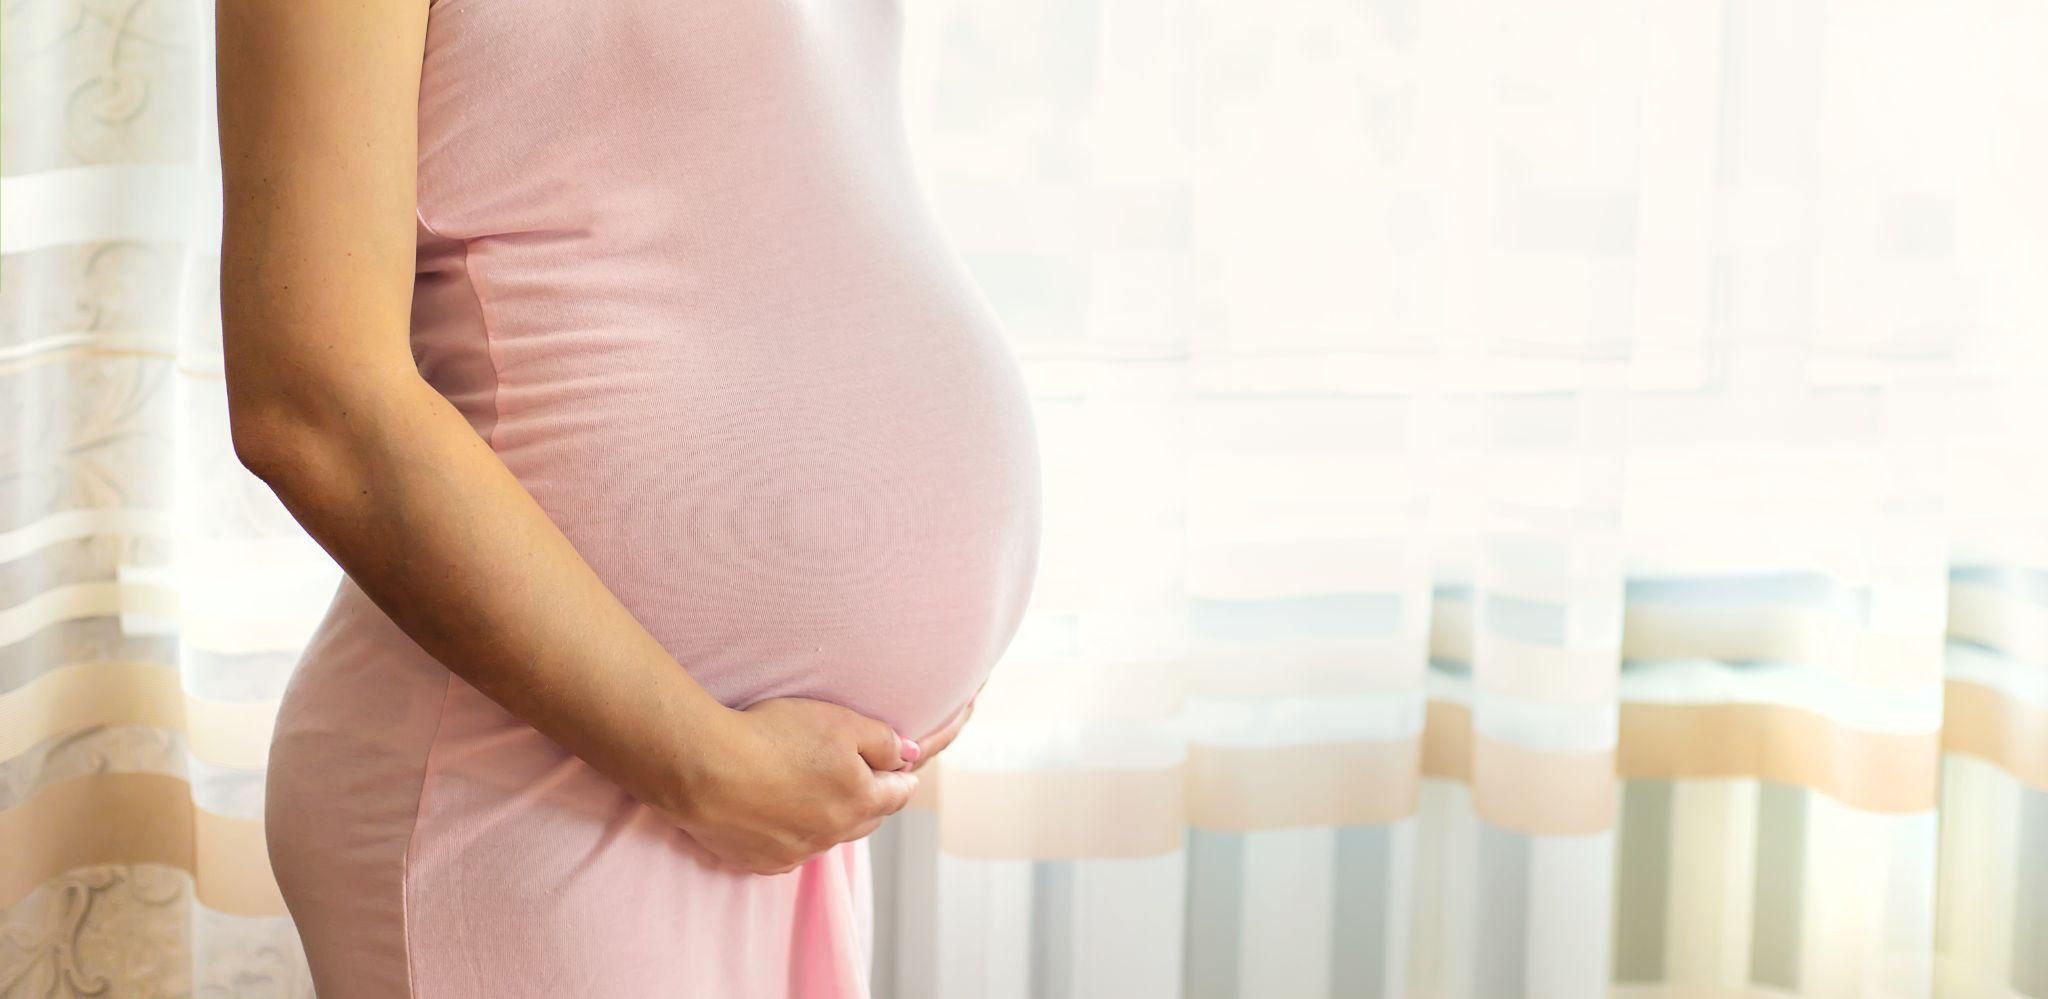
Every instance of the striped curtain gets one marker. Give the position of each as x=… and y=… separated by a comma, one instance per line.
x=153, y=596
x=1543, y=500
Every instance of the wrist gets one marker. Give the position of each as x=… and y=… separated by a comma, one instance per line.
x=709, y=733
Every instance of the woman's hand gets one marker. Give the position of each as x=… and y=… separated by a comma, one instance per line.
x=788, y=779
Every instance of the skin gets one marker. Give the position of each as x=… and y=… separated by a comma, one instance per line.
x=318, y=113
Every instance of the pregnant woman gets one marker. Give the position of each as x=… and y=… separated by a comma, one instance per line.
x=685, y=487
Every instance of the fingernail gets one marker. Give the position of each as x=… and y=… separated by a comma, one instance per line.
x=909, y=751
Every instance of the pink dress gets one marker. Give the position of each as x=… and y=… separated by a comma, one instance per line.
x=675, y=265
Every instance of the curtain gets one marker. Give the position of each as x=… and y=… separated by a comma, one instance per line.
x=153, y=596
x=1543, y=500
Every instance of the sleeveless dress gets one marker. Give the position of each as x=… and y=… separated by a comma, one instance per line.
x=674, y=264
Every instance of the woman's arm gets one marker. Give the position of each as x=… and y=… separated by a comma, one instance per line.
x=319, y=105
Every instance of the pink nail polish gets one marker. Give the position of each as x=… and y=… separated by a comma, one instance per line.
x=909, y=750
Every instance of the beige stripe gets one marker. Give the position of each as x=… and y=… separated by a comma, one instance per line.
x=231, y=866
x=1241, y=788
x=1654, y=632
x=1545, y=674
x=82, y=695
x=109, y=818
x=1892, y=662
x=230, y=733
x=1450, y=630
x=926, y=797
x=83, y=600
x=1543, y=792
x=1872, y=771
x=1061, y=814
x=1069, y=813
x=1981, y=722
x=1447, y=742
x=134, y=818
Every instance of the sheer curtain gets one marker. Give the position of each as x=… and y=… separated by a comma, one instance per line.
x=1543, y=500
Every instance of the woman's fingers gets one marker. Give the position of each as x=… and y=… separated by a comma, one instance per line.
x=892, y=791
x=881, y=746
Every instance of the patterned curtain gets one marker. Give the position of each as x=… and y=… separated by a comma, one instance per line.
x=1544, y=500
x=153, y=596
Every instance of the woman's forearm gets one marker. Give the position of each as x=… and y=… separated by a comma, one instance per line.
x=390, y=479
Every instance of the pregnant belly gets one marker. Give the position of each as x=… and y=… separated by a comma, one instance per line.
x=847, y=523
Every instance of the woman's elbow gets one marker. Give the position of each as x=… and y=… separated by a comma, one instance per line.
x=277, y=439
x=286, y=431
x=264, y=438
